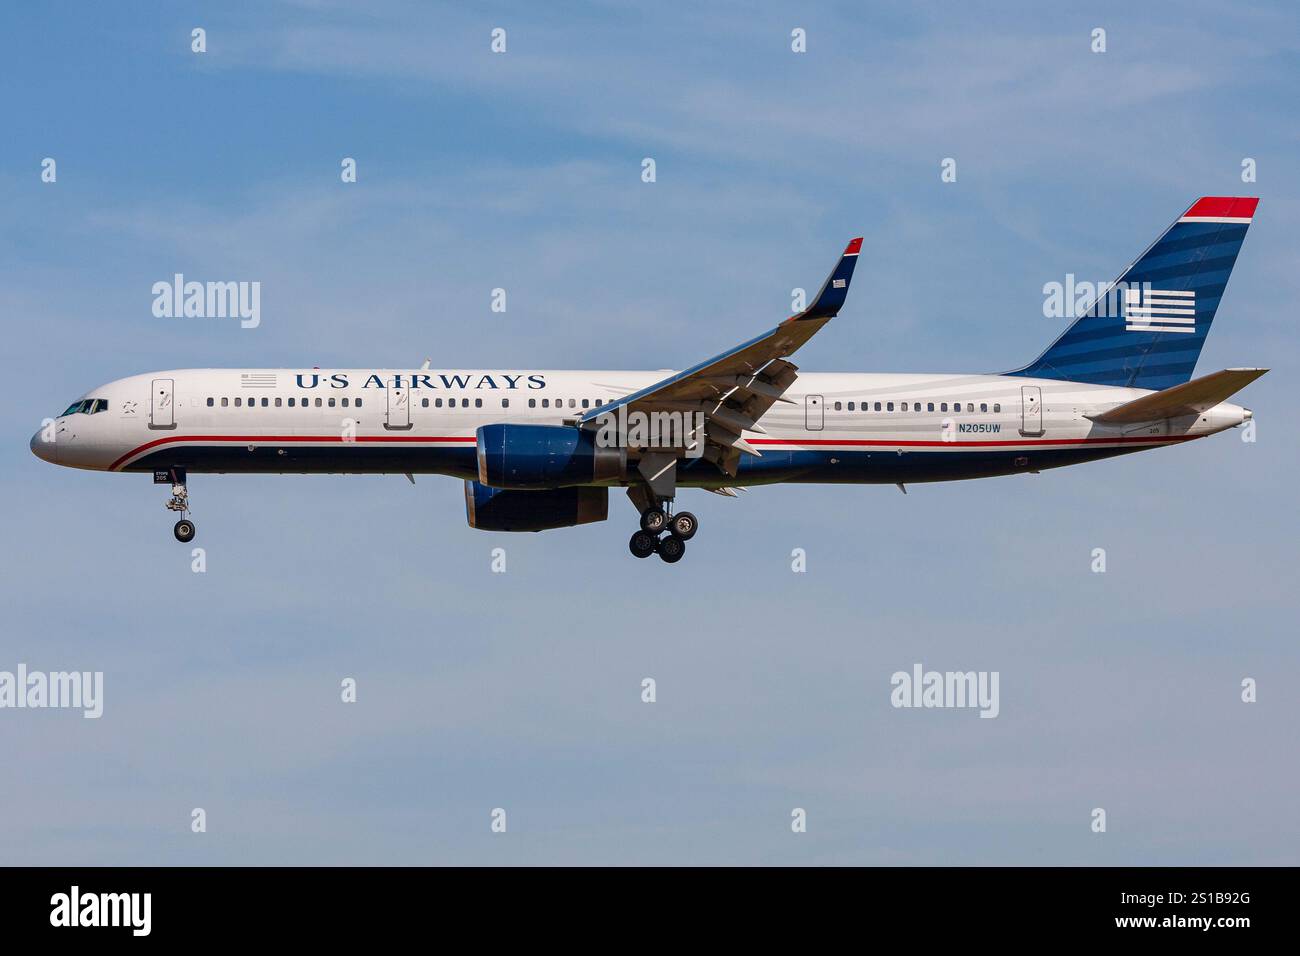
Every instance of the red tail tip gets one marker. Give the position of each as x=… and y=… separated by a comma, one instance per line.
x=1223, y=207
x=854, y=247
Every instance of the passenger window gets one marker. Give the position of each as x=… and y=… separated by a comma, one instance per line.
x=437, y=403
x=225, y=402
x=318, y=403
x=984, y=406
x=277, y=403
x=929, y=406
x=266, y=403
x=344, y=402
x=239, y=402
x=211, y=403
x=505, y=403
x=997, y=407
x=424, y=403
x=943, y=406
x=464, y=403
x=331, y=401
x=889, y=406
x=532, y=403
x=291, y=404
x=546, y=403
x=598, y=403
x=586, y=403
x=357, y=404
x=970, y=406
x=478, y=403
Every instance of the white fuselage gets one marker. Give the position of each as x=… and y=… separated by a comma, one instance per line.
x=838, y=427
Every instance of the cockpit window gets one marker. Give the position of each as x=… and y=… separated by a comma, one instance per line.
x=87, y=406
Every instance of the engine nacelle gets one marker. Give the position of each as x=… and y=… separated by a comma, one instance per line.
x=497, y=509
x=545, y=456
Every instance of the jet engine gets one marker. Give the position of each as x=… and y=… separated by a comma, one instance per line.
x=545, y=456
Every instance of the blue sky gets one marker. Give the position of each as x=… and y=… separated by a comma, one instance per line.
x=522, y=690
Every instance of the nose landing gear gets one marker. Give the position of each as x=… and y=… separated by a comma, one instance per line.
x=180, y=503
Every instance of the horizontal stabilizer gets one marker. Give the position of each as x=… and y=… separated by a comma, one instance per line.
x=1190, y=398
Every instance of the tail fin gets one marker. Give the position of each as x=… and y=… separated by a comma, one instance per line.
x=1147, y=329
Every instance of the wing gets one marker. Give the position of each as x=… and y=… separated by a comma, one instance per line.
x=735, y=389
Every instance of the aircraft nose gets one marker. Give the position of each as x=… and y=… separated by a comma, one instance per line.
x=42, y=449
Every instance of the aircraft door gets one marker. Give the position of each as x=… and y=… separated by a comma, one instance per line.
x=399, y=408
x=1031, y=410
x=162, y=401
x=814, y=412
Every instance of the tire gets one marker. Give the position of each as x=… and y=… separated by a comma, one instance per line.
x=184, y=531
x=653, y=520
x=642, y=544
x=684, y=525
x=671, y=549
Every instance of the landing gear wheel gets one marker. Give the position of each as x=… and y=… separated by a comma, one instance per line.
x=684, y=525
x=643, y=544
x=653, y=520
x=671, y=549
x=184, y=531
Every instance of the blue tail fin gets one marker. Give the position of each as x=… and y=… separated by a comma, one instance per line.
x=1147, y=329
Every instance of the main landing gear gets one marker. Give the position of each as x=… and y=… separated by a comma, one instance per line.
x=651, y=539
x=180, y=503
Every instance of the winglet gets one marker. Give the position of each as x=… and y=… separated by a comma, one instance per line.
x=835, y=290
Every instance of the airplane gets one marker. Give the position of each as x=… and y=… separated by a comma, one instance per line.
x=540, y=449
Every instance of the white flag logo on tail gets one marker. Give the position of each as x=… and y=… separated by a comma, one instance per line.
x=1159, y=310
